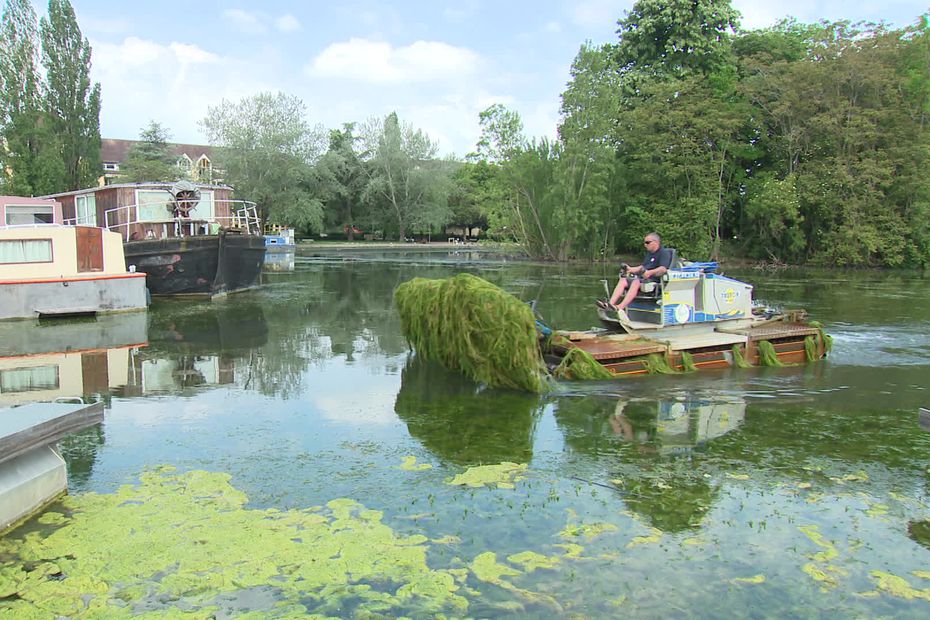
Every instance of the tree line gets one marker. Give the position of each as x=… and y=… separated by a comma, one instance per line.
x=798, y=143
x=49, y=120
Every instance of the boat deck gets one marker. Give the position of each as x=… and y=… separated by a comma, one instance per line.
x=625, y=353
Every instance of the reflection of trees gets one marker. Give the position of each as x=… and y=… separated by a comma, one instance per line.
x=919, y=532
x=79, y=450
x=461, y=423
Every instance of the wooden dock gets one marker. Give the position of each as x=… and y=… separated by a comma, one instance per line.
x=32, y=472
x=624, y=354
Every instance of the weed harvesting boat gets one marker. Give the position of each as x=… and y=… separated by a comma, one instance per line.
x=693, y=318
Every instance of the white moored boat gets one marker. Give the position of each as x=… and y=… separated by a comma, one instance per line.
x=47, y=269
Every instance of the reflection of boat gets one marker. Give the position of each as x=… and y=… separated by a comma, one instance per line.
x=83, y=358
x=694, y=311
x=190, y=347
x=188, y=239
x=676, y=425
x=47, y=269
x=279, y=261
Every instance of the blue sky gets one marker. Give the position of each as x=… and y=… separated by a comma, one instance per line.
x=437, y=64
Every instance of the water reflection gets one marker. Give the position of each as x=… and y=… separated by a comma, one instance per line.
x=192, y=345
x=279, y=261
x=81, y=358
x=461, y=423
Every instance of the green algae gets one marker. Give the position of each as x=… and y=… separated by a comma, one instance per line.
x=410, y=464
x=768, y=355
x=530, y=560
x=655, y=535
x=578, y=364
x=754, y=580
x=486, y=568
x=503, y=475
x=587, y=530
x=176, y=542
x=820, y=569
x=898, y=586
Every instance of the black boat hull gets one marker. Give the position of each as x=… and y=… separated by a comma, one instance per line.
x=205, y=265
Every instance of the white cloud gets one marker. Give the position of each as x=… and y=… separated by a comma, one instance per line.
x=261, y=23
x=251, y=23
x=287, y=23
x=173, y=84
x=378, y=62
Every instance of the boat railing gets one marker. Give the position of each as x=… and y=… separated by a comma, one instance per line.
x=242, y=216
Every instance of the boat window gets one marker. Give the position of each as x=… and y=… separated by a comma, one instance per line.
x=204, y=208
x=26, y=251
x=86, y=210
x=29, y=214
x=153, y=205
x=29, y=379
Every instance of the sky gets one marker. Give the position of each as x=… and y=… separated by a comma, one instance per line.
x=437, y=64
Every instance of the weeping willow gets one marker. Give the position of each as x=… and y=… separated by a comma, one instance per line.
x=470, y=325
x=579, y=364
x=767, y=355
x=738, y=360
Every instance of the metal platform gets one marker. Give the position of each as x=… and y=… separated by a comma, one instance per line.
x=32, y=472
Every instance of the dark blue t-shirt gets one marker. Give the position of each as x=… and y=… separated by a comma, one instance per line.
x=661, y=257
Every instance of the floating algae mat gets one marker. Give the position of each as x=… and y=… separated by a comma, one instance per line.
x=184, y=545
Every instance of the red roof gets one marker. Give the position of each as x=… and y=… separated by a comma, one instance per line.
x=115, y=151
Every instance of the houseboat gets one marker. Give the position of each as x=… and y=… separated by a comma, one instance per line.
x=48, y=269
x=188, y=239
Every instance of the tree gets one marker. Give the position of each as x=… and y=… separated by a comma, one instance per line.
x=29, y=160
x=72, y=103
x=501, y=134
x=342, y=180
x=676, y=38
x=150, y=159
x=405, y=180
x=267, y=146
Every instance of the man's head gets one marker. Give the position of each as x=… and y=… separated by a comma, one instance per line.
x=652, y=241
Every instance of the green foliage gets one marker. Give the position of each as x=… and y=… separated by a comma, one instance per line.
x=341, y=180
x=150, y=158
x=406, y=184
x=266, y=146
x=468, y=324
x=72, y=102
x=773, y=216
x=676, y=37
x=501, y=134
x=30, y=161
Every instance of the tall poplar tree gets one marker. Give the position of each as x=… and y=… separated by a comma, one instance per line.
x=29, y=159
x=73, y=103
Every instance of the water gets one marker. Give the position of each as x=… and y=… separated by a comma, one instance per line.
x=791, y=492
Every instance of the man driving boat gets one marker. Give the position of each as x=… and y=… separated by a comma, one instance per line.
x=656, y=262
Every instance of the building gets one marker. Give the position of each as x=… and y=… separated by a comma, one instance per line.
x=194, y=161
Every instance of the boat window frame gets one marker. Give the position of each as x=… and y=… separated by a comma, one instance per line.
x=87, y=219
x=51, y=252
x=207, y=197
x=34, y=209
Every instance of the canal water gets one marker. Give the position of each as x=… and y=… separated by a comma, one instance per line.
x=282, y=453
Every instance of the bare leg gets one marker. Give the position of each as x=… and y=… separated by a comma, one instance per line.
x=631, y=295
x=618, y=291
